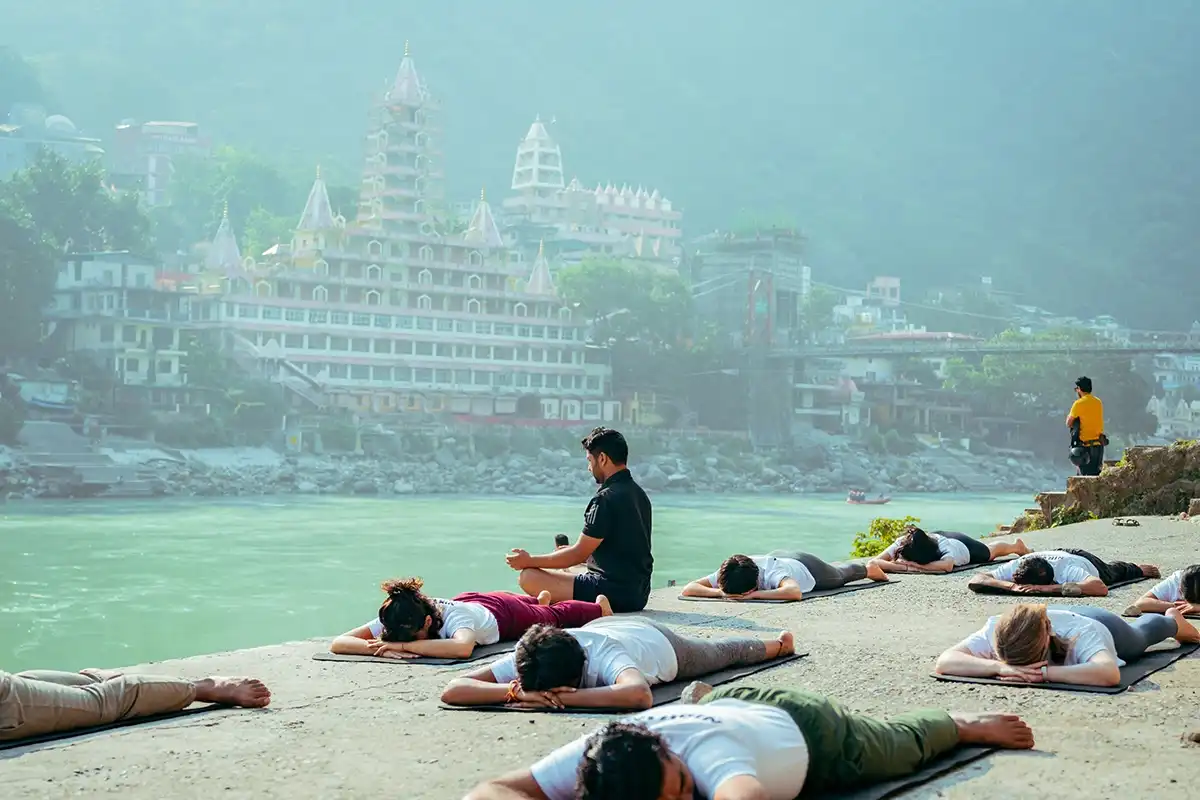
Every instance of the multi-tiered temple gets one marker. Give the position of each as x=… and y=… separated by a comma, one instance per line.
x=393, y=311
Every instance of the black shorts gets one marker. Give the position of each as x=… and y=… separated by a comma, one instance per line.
x=622, y=597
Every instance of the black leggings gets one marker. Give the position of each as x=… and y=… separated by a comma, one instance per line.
x=827, y=576
x=1110, y=571
x=1132, y=637
x=980, y=554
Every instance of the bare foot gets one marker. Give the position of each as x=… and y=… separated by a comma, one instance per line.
x=244, y=692
x=544, y=598
x=787, y=644
x=605, y=606
x=1150, y=571
x=1022, y=549
x=998, y=730
x=875, y=572
x=694, y=692
x=1185, y=632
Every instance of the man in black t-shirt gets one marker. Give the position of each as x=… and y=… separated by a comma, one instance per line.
x=614, y=545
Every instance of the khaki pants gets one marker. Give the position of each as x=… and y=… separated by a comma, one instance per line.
x=37, y=703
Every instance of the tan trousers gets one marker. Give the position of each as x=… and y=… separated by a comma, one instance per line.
x=41, y=702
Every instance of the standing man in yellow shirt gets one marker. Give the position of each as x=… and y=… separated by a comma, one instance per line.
x=1089, y=412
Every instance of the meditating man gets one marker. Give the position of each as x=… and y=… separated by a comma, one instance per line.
x=609, y=663
x=940, y=551
x=43, y=702
x=747, y=743
x=1179, y=590
x=1083, y=645
x=1069, y=572
x=615, y=543
x=779, y=575
x=411, y=625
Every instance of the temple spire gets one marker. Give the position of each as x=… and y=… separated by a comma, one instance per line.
x=539, y=161
x=483, y=231
x=540, y=281
x=407, y=87
x=318, y=213
x=223, y=252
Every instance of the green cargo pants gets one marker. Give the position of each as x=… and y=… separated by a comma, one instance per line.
x=845, y=749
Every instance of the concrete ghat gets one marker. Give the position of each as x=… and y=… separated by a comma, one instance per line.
x=365, y=730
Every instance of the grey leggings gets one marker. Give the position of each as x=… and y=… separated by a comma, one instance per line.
x=1132, y=637
x=827, y=576
x=699, y=657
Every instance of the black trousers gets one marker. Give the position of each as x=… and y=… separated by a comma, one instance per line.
x=1110, y=571
x=1093, y=460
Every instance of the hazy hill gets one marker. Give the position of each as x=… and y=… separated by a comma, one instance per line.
x=1046, y=144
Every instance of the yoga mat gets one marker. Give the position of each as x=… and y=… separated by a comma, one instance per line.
x=969, y=567
x=1135, y=616
x=54, y=737
x=478, y=654
x=663, y=693
x=954, y=760
x=813, y=595
x=982, y=589
x=1131, y=673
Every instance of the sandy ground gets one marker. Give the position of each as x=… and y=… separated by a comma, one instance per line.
x=354, y=730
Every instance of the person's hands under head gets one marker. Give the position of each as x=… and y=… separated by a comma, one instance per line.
x=519, y=559
x=1187, y=608
x=551, y=698
x=390, y=649
x=1031, y=588
x=1028, y=673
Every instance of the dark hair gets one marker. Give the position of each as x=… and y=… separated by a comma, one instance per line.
x=403, y=613
x=606, y=441
x=548, y=658
x=916, y=546
x=738, y=575
x=621, y=760
x=1084, y=383
x=1189, y=581
x=1034, y=571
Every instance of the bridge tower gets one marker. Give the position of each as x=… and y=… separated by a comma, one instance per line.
x=769, y=386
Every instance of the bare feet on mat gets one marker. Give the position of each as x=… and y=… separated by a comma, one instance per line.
x=875, y=572
x=1150, y=571
x=244, y=692
x=544, y=598
x=1022, y=549
x=787, y=644
x=997, y=730
x=694, y=692
x=1185, y=632
x=605, y=606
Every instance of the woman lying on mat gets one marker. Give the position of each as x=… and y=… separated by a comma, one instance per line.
x=941, y=551
x=779, y=575
x=43, y=702
x=746, y=742
x=1179, y=590
x=411, y=625
x=1082, y=645
x=609, y=663
x=1069, y=572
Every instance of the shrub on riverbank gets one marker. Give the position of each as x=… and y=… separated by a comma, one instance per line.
x=879, y=536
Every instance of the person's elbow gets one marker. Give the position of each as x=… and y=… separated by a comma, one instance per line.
x=945, y=663
x=694, y=589
x=346, y=645
x=1094, y=587
x=640, y=697
x=1109, y=675
x=456, y=694
x=977, y=582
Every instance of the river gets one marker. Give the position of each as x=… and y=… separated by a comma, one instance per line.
x=111, y=583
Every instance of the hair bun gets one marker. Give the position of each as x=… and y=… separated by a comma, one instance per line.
x=399, y=586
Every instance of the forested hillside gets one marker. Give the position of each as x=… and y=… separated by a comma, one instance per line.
x=1047, y=144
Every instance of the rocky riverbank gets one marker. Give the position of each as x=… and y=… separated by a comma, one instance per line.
x=465, y=465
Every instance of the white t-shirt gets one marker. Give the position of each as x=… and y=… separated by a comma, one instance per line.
x=1170, y=588
x=773, y=571
x=947, y=548
x=717, y=741
x=1089, y=638
x=457, y=616
x=1068, y=567
x=611, y=646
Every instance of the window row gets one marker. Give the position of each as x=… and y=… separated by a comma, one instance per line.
x=454, y=377
x=404, y=347
x=386, y=321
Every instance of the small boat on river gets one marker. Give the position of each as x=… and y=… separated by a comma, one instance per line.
x=857, y=497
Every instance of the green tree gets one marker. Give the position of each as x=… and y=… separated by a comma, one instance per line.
x=630, y=301
x=27, y=275
x=816, y=311
x=264, y=230
x=204, y=364
x=244, y=182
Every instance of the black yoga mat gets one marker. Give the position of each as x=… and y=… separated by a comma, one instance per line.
x=478, y=654
x=55, y=737
x=952, y=761
x=813, y=595
x=984, y=589
x=663, y=693
x=1131, y=673
x=969, y=567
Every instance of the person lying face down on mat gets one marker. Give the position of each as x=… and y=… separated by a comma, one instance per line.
x=779, y=575
x=1082, y=645
x=1180, y=589
x=43, y=702
x=746, y=743
x=609, y=663
x=411, y=625
x=941, y=551
x=1069, y=572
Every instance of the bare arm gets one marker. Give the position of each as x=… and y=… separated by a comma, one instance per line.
x=1148, y=602
x=1092, y=587
x=701, y=588
x=513, y=786
x=1101, y=670
x=788, y=589
x=630, y=691
x=460, y=645
x=900, y=565
x=741, y=787
x=958, y=661
x=566, y=556
x=357, y=642
x=987, y=579
x=477, y=688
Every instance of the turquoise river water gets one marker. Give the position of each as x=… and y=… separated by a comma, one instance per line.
x=109, y=583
